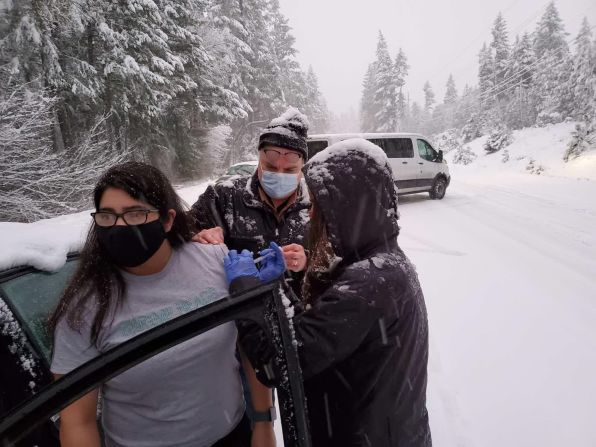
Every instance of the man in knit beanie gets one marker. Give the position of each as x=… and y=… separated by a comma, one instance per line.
x=249, y=213
x=272, y=205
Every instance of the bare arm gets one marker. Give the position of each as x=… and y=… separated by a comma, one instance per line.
x=262, y=399
x=78, y=422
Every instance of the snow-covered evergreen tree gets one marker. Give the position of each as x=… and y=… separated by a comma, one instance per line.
x=367, y=106
x=429, y=97
x=500, y=56
x=450, y=91
x=582, y=82
x=553, y=66
x=385, y=96
x=486, y=76
x=401, y=68
x=498, y=139
x=520, y=111
x=315, y=108
x=550, y=35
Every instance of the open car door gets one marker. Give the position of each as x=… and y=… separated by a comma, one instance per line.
x=263, y=304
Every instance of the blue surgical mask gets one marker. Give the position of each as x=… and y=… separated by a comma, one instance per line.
x=278, y=185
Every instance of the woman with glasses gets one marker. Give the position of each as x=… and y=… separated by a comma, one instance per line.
x=138, y=269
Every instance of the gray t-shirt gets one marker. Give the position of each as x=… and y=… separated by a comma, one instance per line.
x=190, y=395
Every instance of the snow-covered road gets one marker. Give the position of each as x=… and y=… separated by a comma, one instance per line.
x=508, y=267
x=507, y=262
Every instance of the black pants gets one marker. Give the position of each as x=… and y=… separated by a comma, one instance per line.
x=239, y=437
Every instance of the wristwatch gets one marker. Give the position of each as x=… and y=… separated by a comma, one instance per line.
x=264, y=416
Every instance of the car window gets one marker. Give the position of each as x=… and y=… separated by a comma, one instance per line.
x=426, y=151
x=32, y=297
x=316, y=146
x=241, y=170
x=395, y=147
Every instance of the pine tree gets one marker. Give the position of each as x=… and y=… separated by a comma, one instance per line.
x=520, y=112
x=500, y=47
x=552, y=67
x=401, y=68
x=367, y=110
x=486, y=76
x=30, y=46
x=550, y=34
x=582, y=82
x=385, y=96
x=520, y=67
x=416, y=118
x=429, y=97
x=450, y=91
x=315, y=108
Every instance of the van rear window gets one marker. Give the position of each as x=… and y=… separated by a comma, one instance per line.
x=315, y=147
x=395, y=147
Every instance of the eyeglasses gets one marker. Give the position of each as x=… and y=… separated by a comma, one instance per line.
x=273, y=155
x=134, y=217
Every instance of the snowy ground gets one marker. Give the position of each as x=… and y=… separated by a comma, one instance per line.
x=507, y=261
x=508, y=267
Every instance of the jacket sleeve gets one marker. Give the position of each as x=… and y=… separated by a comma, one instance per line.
x=206, y=211
x=332, y=329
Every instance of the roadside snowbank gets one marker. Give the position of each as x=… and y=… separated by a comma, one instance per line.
x=533, y=150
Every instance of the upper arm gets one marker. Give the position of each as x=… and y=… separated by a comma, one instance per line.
x=78, y=421
x=332, y=329
x=82, y=411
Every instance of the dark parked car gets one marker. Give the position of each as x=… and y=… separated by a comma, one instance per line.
x=30, y=399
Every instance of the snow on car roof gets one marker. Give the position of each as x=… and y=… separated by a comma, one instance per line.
x=43, y=244
x=46, y=243
x=366, y=135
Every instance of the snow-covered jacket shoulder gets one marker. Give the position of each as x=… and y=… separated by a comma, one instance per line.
x=247, y=222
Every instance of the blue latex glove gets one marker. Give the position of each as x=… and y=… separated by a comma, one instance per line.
x=273, y=266
x=237, y=265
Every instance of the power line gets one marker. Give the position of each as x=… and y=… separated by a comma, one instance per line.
x=532, y=17
x=504, y=87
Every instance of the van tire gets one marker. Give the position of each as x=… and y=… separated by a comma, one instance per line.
x=438, y=189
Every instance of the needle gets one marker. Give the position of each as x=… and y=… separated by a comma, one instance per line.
x=261, y=258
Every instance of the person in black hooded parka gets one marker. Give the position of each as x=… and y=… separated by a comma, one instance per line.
x=363, y=338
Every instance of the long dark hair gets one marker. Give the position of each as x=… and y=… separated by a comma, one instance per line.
x=97, y=283
x=317, y=277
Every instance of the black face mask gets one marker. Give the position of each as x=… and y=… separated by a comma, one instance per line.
x=131, y=245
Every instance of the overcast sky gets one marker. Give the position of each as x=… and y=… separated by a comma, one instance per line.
x=338, y=38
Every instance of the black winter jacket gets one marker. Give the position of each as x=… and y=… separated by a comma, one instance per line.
x=363, y=344
x=247, y=222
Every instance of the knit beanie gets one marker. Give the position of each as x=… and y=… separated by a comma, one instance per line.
x=288, y=131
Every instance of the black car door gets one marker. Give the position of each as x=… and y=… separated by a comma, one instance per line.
x=26, y=410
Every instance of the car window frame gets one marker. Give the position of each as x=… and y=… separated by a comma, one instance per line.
x=263, y=304
x=432, y=156
x=383, y=143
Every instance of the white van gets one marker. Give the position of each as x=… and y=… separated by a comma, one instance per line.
x=416, y=166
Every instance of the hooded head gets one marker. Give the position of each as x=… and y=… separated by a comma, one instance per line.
x=352, y=185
